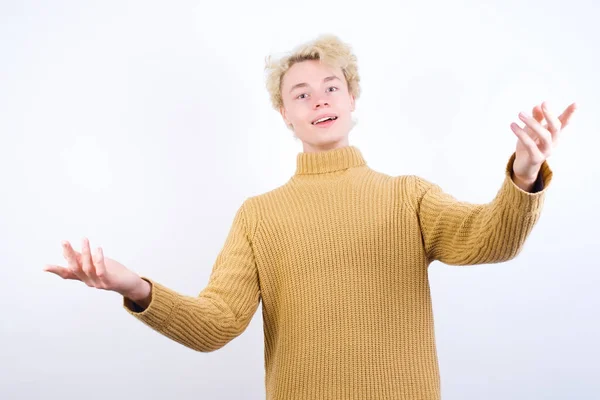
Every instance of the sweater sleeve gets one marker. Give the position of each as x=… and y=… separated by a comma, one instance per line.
x=460, y=233
x=221, y=311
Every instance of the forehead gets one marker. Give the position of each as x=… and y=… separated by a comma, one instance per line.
x=311, y=72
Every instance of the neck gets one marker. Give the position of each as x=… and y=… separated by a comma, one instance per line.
x=315, y=148
x=326, y=161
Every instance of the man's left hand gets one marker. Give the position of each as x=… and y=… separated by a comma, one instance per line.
x=536, y=141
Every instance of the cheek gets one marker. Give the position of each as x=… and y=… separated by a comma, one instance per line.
x=299, y=114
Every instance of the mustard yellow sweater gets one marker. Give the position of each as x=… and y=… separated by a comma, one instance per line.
x=338, y=255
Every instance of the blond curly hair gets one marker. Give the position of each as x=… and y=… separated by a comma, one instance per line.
x=327, y=48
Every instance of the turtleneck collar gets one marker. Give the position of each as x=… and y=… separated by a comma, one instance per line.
x=329, y=160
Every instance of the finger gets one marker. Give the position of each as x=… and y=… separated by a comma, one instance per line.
x=64, y=273
x=527, y=141
x=538, y=113
x=544, y=137
x=566, y=115
x=554, y=124
x=99, y=263
x=86, y=262
x=69, y=255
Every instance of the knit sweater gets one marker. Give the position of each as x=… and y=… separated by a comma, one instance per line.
x=338, y=257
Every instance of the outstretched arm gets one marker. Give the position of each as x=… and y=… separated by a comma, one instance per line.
x=221, y=311
x=462, y=233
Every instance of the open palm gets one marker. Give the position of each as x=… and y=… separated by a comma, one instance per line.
x=536, y=141
x=95, y=270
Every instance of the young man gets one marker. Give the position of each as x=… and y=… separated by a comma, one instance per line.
x=338, y=255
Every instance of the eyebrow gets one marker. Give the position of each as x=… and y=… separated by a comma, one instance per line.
x=329, y=78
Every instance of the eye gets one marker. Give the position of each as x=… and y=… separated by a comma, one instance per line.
x=304, y=94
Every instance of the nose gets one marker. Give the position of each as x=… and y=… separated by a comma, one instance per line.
x=321, y=103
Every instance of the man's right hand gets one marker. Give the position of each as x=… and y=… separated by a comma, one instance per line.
x=101, y=273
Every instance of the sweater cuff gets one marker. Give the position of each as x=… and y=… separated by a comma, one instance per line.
x=158, y=314
x=528, y=202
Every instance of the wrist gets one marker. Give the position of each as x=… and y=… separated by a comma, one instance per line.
x=525, y=175
x=140, y=291
x=524, y=183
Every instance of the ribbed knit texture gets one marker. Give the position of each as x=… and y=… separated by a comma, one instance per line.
x=338, y=256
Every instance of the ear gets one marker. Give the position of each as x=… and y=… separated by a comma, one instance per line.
x=352, y=103
x=284, y=115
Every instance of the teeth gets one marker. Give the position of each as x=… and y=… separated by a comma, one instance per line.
x=324, y=119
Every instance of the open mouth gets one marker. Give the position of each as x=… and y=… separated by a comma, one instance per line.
x=325, y=121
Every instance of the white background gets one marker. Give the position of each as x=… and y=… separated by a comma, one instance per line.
x=144, y=125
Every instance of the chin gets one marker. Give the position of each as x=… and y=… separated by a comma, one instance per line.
x=322, y=137
x=325, y=139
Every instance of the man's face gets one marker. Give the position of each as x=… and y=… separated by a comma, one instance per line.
x=311, y=90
